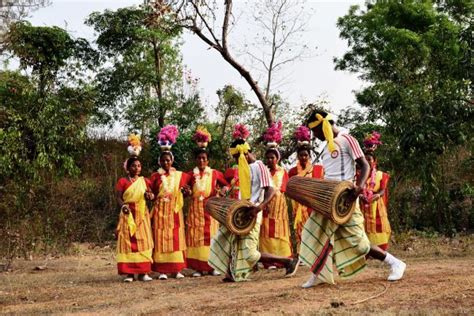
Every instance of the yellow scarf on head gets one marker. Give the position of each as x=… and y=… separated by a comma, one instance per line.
x=244, y=170
x=327, y=130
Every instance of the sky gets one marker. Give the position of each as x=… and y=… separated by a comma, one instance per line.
x=308, y=80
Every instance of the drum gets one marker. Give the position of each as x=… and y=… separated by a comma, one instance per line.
x=233, y=214
x=327, y=197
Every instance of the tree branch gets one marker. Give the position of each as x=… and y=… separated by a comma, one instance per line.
x=225, y=25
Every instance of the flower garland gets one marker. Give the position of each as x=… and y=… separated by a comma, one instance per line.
x=167, y=184
x=201, y=182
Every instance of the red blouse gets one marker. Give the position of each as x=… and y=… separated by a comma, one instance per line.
x=124, y=183
x=217, y=178
x=317, y=172
x=155, y=180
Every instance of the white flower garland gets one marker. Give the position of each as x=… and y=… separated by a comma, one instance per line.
x=201, y=181
x=167, y=183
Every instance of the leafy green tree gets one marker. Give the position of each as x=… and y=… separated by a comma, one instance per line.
x=417, y=59
x=14, y=11
x=232, y=105
x=43, y=117
x=140, y=74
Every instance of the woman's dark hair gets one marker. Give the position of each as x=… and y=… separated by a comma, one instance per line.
x=312, y=117
x=131, y=160
x=237, y=142
x=306, y=147
x=273, y=151
x=199, y=151
x=370, y=153
x=169, y=153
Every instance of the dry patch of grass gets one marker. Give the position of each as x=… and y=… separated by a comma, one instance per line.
x=439, y=280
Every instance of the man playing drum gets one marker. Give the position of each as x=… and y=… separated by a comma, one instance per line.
x=236, y=256
x=324, y=241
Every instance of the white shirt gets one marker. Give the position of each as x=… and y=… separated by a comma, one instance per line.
x=260, y=178
x=340, y=165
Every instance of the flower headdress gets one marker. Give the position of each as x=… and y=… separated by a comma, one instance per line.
x=302, y=135
x=272, y=136
x=167, y=137
x=240, y=132
x=371, y=141
x=134, y=148
x=202, y=137
x=134, y=145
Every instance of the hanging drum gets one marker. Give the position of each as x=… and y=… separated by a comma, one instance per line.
x=327, y=197
x=233, y=214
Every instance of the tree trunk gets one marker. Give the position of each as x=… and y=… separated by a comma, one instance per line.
x=159, y=84
x=253, y=84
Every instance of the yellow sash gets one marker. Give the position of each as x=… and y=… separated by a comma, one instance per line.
x=244, y=170
x=135, y=193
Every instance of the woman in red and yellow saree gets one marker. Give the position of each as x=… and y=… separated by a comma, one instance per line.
x=201, y=227
x=303, y=168
x=275, y=229
x=373, y=203
x=167, y=218
x=134, y=238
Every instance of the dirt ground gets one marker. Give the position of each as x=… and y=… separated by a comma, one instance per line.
x=439, y=280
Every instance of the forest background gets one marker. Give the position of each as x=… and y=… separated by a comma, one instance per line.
x=57, y=173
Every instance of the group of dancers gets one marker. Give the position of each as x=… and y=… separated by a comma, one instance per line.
x=162, y=241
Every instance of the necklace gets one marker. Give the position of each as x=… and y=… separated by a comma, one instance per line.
x=167, y=183
x=201, y=181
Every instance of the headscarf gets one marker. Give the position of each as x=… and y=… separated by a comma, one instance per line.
x=244, y=170
x=327, y=129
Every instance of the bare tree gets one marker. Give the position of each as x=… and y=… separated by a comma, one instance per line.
x=278, y=41
x=282, y=21
x=200, y=17
x=14, y=10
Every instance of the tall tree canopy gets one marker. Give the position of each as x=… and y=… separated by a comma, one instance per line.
x=43, y=116
x=140, y=75
x=417, y=59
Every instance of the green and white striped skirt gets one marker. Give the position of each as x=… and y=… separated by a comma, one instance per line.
x=324, y=243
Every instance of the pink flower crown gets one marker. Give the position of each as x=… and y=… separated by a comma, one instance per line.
x=240, y=132
x=371, y=141
x=272, y=136
x=302, y=134
x=167, y=136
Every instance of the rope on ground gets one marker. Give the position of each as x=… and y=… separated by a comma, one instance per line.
x=386, y=286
